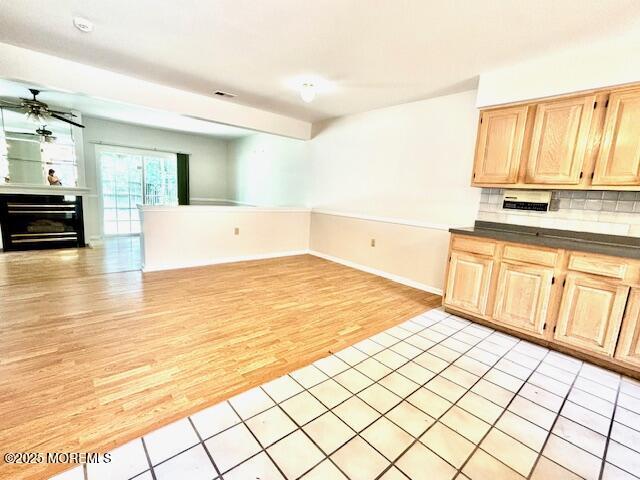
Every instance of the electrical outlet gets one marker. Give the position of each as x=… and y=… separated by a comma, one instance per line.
x=236, y=231
x=373, y=242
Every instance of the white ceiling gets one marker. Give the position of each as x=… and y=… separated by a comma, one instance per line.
x=375, y=52
x=109, y=110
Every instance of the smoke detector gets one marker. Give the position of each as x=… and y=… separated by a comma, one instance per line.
x=83, y=24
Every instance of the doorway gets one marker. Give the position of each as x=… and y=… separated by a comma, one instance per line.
x=129, y=177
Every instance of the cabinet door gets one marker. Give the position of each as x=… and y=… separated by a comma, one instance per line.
x=468, y=282
x=522, y=297
x=618, y=161
x=499, y=145
x=559, y=141
x=590, y=313
x=628, y=349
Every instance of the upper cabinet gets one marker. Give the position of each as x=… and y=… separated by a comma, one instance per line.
x=499, y=146
x=619, y=157
x=589, y=141
x=559, y=141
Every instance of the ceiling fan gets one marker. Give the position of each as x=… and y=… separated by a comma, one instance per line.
x=38, y=111
x=45, y=135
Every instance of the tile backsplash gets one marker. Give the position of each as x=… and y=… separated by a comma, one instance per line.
x=616, y=213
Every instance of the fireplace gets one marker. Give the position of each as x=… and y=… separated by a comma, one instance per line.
x=41, y=221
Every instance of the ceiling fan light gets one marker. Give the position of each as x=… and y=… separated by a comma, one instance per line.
x=36, y=118
x=308, y=92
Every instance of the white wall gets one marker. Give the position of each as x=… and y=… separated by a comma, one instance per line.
x=402, y=176
x=207, y=161
x=268, y=170
x=411, y=161
x=187, y=236
x=614, y=61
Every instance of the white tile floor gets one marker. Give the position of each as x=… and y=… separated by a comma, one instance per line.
x=437, y=397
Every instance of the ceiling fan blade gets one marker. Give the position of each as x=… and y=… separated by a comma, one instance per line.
x=62, y=113
x=60, y=117
x=9, y=104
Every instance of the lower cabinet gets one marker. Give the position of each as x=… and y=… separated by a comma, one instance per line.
x=584, y=303
x=523, y=293
x=468, y=282
x=591, y=313
x=628, y=349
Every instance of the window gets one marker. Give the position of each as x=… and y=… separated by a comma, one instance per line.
x=131, y=177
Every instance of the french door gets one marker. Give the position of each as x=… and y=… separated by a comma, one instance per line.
x=130, y=177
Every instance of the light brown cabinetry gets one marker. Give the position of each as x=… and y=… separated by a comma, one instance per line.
x=499, y=145
x=469, y=281
x=522, y=296
x=628, y=349
x=580, y=302
x=591, y=313
x=587, y=142
x=619, y=157
x=559, y=141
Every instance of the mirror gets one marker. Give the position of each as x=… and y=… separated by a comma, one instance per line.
x=29, y=151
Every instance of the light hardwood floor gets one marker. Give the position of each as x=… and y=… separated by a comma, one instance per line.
x=88, y=362
x=117, y=254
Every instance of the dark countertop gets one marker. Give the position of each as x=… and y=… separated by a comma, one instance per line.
x=615, y=245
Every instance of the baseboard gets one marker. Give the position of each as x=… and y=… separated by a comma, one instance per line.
x=221, y=260
x=389, y=276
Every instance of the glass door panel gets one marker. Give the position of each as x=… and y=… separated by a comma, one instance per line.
x=132, y=177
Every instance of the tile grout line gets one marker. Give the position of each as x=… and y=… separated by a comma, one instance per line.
x=420, y=386
x=357, y=434
x=555, y=420
x=494, y=424
x=205, y=448
x=242, y=420
x=417, y=439
x=608, y=440
x=300, y=427
x=146, y=453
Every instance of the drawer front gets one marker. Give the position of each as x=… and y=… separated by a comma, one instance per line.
x=530, y=255
x=474, y=245
x=597, y=265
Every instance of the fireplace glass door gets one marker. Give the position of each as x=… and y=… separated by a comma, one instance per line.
x=130, y=177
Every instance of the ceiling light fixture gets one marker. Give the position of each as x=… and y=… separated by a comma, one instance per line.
x=308, y=92
x=36, y=118
x=83, y=24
